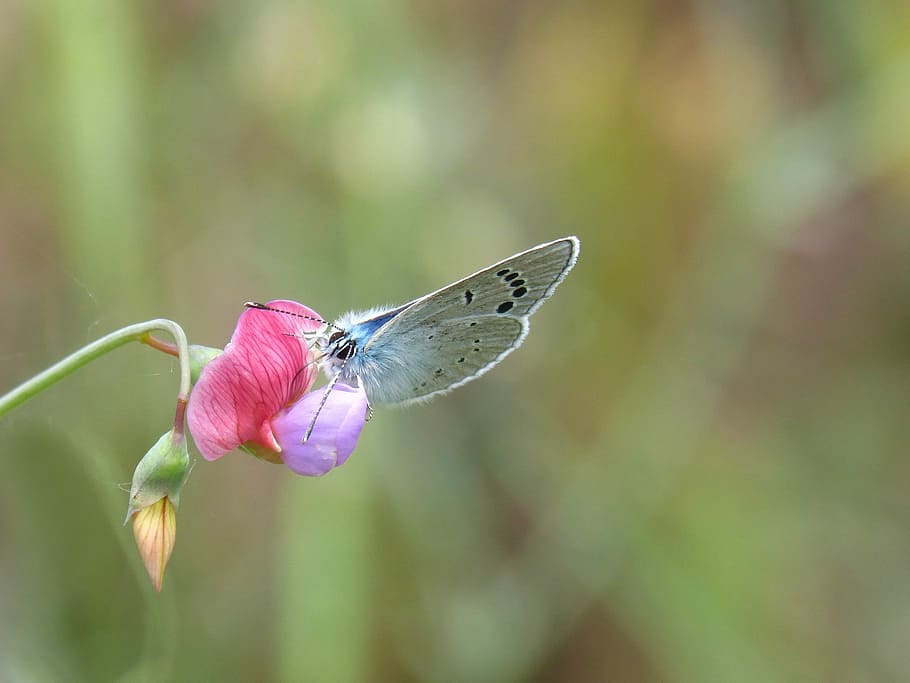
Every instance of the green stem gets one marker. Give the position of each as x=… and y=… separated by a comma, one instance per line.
x=97, y=348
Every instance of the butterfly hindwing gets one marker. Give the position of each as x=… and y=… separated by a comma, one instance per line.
x=437, y=358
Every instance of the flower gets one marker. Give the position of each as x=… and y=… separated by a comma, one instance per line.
x=255, y=395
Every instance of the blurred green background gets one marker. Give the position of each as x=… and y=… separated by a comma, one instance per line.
x=694, y=470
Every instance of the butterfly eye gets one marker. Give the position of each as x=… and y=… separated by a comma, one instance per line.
x=346, y=351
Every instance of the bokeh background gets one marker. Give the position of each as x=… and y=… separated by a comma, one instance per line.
x=694, y=470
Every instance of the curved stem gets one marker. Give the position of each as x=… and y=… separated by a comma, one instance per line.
x=160, y=345
x=83, y=356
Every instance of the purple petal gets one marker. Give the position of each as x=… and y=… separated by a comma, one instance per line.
x=334, y=436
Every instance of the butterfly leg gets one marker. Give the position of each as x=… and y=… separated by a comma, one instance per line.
x=325, y=397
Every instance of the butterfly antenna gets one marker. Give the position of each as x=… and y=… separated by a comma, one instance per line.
x=264, y=307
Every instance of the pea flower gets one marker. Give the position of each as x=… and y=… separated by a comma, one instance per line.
x=256, y=395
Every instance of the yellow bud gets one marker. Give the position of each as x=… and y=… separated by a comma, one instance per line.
x=155, y=529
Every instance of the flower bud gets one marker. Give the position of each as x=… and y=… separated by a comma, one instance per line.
x=154, y=496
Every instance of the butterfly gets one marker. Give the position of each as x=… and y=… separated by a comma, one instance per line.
x=446, y=338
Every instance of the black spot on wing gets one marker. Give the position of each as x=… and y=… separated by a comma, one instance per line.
x=504, y=307
x=519, y=292
x=468, y=296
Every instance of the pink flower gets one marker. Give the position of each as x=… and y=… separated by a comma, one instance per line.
x=255, y=395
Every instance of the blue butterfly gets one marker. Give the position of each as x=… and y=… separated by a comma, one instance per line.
x=444, y=339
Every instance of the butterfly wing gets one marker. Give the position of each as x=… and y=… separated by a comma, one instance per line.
x=457, y=333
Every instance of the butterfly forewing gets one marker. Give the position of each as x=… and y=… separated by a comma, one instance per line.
x=514, y=287
x=455, y=334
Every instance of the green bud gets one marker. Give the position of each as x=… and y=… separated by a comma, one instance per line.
x=160, y=473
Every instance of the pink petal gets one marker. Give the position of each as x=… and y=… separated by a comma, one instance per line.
x=263, y=369
x=336, y=432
